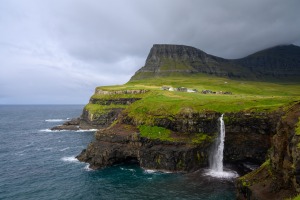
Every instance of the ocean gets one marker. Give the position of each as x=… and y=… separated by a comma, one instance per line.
x=37, y=163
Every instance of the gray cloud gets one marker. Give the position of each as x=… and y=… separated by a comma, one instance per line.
x=59, y=51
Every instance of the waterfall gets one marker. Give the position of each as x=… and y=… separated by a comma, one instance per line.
x=216, y=157
x=217, y=154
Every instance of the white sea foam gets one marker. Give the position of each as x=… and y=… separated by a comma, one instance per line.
x=51, y=131
x=57, y=120
x=132, y=170
x=86, y=130
x=152, y=171
x=69, y=159
x=63, y=130
x=20, y=153
x=64, y=149
x=226, y=174
x=87, y=168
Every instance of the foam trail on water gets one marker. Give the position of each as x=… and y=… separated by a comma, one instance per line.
x=51, y=131
x=69, y=159
x=64, y=149
x=57, y=120
x=86, y=130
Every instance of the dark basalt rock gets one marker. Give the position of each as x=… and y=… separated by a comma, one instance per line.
x=86, y=122
x=73, y=124
x=248, y=138
x=279, y=177
x=122, y=143
x=248, y=135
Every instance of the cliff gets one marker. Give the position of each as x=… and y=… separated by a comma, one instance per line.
x=279, y=176
x=179, y=142
x=280, y=62
x=174, y=130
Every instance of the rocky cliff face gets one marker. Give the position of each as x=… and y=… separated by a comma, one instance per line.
x=171, y=59
x=107, y=110
x=278, y=62
x=248, y=138
x=123, y=143
x=248, y=135
x=279, y=177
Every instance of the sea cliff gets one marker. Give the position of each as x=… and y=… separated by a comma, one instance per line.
x=166, y=117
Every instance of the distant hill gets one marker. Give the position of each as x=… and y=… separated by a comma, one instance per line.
x=280, y=62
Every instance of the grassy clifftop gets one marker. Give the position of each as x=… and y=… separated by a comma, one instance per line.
x=246, y=95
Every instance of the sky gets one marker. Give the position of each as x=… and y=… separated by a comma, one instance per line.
x=58, y=51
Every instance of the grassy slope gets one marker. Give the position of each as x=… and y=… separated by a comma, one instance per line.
x=247, y=95
x=156, y=104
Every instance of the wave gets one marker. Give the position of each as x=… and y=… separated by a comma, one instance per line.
x=62, y=130
x=64, y=149
x=57, y=120
x=71, y=159
x=150, y=171
x=87, y=168
x=49, y=130
x=86, y=130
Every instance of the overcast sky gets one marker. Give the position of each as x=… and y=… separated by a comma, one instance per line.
x=58, y=51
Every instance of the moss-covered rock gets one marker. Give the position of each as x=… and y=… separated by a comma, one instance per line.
x=279, y=178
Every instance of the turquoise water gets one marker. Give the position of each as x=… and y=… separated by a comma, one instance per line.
x=39, y=164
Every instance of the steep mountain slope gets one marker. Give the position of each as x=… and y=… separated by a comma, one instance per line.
x=280, y=61
x=166, y=60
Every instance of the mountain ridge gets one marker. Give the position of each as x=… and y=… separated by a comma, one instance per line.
x=279, y=62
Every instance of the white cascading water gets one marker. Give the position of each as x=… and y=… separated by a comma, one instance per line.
x=216, y=164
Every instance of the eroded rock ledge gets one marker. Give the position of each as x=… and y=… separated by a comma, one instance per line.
x=248, y=138
x=279, y=176
x=123, y=142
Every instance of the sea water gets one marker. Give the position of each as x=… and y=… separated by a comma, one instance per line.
x=37, y=163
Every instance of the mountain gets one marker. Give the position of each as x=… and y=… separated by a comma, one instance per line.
x=279, y=62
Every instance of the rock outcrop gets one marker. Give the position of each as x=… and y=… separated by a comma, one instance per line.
x=279, y=176
x=123, y=143
x=97, y=120
x=248, y=135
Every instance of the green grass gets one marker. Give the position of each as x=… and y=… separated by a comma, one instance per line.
x=155, y=132
x=297, y=197
x=249, y=179
x=101, y=109
x=160, y=133
x=297, y=128
x=200, y=138
x=247, y=95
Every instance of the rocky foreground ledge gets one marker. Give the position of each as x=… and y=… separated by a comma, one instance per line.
x=279, y=176
x=123, y=143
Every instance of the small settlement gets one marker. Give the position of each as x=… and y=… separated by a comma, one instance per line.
x=184, y=89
